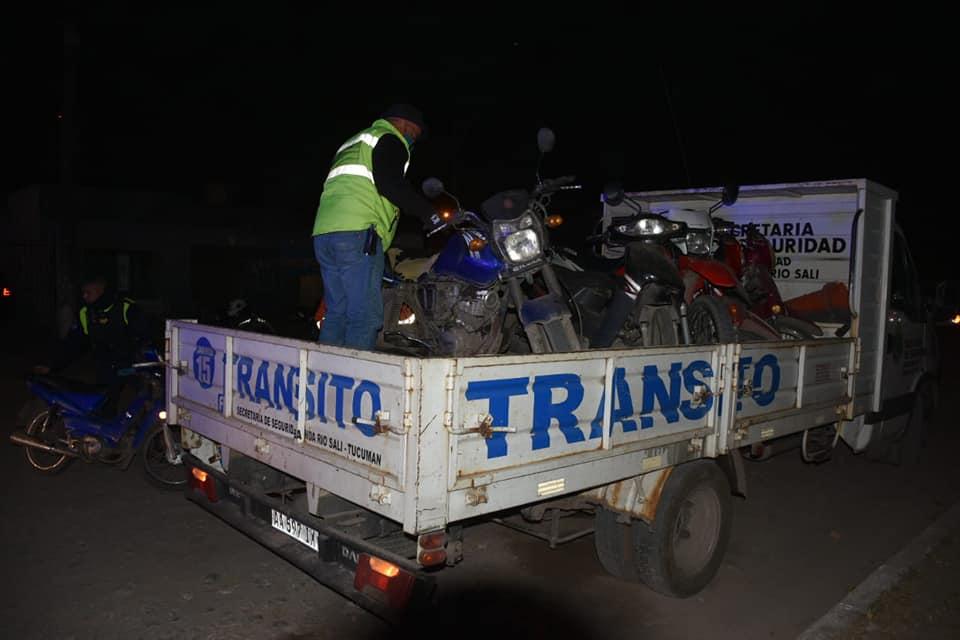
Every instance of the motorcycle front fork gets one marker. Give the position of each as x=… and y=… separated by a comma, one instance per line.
x=683, y=323
x=171, y=450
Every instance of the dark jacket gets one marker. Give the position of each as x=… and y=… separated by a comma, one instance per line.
x=113, y=328
x=389, y=158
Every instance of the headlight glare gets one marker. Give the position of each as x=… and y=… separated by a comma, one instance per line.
x=519, y=239
x=522, y=246
x=698, y=242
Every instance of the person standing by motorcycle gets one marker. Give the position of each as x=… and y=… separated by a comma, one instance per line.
x=356, y=221
x=111, y=326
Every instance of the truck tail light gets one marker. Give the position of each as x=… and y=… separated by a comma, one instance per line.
x=203, y=482
x=431, y=549
x=393, y=583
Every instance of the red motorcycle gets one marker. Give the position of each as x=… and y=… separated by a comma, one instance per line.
x=752, y=259
x=718, y=307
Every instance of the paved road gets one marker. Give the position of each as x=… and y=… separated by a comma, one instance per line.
x=99, y=553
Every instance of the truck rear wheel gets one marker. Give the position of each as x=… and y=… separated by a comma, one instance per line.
x=679, y=553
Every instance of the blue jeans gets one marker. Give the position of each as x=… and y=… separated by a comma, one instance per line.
x=351, y=288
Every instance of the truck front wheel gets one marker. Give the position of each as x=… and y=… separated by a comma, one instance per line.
x=679, y=553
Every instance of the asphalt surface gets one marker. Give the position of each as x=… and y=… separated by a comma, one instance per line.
x=99, y=553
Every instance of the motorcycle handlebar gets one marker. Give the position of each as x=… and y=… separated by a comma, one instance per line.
x=562, y=183
x=147, y=365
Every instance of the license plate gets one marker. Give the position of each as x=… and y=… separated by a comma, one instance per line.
x=296, y=530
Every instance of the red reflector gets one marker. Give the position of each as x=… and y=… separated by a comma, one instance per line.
x=7, y=293
x=202, y=481
x=435, y=540
x=432, y=557
x=734, y=313
x=394, y=583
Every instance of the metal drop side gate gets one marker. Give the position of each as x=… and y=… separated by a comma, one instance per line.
x=427, y=442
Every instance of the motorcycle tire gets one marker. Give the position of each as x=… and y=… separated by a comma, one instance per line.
x=49, y=427
x=156, y=468
x=792, y=329
x=710, y=322
x=663, y=329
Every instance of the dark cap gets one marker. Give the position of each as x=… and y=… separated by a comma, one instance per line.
x=407, y=112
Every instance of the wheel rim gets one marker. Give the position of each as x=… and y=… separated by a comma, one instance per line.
x=703, y=328
x=697, y=530
x=52, y=428
x=155, y=459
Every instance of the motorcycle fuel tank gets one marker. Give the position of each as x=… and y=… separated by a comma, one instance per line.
x=481, y=268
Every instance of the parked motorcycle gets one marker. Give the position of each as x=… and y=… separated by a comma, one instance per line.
x=752, y=259
x=718, y=307
x=636, y=300
x=238, y=314
x=477, y=289
x=82, y=421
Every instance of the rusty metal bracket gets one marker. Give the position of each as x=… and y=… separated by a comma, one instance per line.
x=381, y=424
x=484, y=427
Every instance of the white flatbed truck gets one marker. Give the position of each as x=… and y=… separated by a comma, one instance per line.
x=359, y=467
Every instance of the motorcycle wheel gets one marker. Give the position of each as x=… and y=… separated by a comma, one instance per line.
x=155, y=465
x=710, y=322
x=791, y=330
x=49, y=427
x=663, y=329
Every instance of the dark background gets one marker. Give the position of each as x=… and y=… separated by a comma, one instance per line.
x=224, y=105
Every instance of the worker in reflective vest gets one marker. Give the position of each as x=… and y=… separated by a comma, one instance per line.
x=356, y=221
x=111, y=326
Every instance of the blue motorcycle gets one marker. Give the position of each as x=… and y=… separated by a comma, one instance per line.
x=491, y=288
x=80, y=421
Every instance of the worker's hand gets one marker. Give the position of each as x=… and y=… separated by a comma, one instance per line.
x=41, y=369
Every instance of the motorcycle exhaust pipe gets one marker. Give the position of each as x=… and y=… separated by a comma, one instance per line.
x=21, y=438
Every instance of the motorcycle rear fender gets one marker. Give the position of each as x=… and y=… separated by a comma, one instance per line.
x=756, y=325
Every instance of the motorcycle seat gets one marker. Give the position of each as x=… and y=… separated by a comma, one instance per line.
x=576, y=280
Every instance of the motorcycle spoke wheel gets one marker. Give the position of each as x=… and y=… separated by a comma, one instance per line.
x=157, y=468
x=48, y=427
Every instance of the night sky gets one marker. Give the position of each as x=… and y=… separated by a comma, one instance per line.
x=260, y=98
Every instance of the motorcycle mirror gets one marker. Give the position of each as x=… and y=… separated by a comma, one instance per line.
x=546, y=140
x=613, y=193
x=730, y=194
x=432, y=187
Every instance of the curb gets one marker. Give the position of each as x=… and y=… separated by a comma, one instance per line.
x=855, y=605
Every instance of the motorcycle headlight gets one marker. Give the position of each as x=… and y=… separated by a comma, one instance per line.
x=647, y=227
x=698, y=242
x=519, y=239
